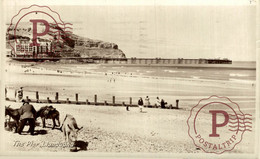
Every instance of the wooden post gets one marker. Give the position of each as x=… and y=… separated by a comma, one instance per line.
x=114, y=100
x=130, y=101
x=77, y=98
x=95, y=99
x=57, y=97
x=177, y=104
x=37, y=97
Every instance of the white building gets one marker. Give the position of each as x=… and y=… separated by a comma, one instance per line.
x=23, y=48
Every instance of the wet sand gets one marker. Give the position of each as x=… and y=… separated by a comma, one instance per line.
x=55, y=78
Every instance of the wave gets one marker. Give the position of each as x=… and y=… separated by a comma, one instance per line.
x=238, y=75
x=242, y=81
x=195, y=77
x=172, y=71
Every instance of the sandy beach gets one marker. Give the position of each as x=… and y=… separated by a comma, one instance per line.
x=113, y=129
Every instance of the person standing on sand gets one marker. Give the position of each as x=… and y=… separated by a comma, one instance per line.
x=140, y=104
x=5, y=93
x=147, y=101
x=27, y=113
x=158, y=102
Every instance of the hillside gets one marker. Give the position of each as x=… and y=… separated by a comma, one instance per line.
x=69, y=44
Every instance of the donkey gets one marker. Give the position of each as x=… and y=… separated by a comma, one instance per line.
x=48, y=112
x=14, y=114
x=70, y=128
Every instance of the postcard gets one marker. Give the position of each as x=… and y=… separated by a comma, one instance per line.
x=130, y=79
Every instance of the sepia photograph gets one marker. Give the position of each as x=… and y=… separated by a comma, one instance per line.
x=130, y=79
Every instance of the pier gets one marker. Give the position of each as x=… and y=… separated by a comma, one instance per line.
x=130, y=61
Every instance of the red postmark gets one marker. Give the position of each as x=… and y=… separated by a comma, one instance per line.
x=38, y=31
x=216, y=124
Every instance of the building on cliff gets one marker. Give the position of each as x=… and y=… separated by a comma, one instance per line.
x=24, y=48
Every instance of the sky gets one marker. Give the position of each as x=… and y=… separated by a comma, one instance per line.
x=167, y=31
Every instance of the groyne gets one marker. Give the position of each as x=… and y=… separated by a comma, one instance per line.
x=95, y=101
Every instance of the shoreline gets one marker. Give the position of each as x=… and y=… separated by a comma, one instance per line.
x=44, y=69
x=71, y=79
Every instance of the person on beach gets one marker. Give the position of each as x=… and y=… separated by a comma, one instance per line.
x=19, y=94
x=27, y=114
x=163, y=104
x=5, y=93
x=140, y=104
x=158, y=102
x=147, y=101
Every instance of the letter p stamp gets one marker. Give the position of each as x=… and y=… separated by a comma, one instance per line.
x=38, y=32
x=227, y=124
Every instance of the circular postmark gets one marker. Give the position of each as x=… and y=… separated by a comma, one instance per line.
x=216, y=124
x=37, y=31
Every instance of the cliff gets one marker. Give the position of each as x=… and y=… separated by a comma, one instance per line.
x=69, y=44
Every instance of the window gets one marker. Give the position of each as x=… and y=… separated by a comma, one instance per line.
x=22, y=48
x=18, y=48
x=26, y=47
x=43, y=48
